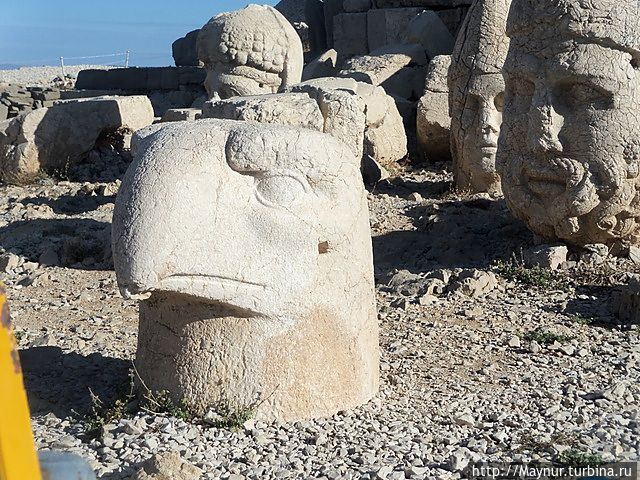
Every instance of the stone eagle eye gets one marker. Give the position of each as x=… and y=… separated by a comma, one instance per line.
x=279, y=189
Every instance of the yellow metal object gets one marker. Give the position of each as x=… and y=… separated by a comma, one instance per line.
x=18, y=459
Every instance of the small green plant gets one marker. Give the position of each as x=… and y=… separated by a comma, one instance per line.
x=101, y=414
x=515, y=271
x=19, y=334
x=534, y=443
x=545, y=337
x=161, y=403
x=583, y=319
x=230, y=417
x=579, y=459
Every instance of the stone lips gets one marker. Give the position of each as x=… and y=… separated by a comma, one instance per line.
x=254, y=243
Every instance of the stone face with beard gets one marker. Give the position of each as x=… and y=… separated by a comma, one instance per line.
x=569, y=144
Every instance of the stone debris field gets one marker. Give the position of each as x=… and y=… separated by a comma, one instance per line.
x=338, y=240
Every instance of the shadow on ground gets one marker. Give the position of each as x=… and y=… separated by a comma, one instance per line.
x=71, y=204
x=457, y=234
x=79, y=243
x=60, y=383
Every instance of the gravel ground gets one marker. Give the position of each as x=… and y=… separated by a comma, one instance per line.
x=28, y=76
x=521, y=368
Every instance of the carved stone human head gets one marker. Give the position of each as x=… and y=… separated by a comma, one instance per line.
x=253, y=241
x=250, y=51
x=570, y=141
x=476, y=90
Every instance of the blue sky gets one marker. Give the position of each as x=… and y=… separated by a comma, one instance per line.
x=38, y=32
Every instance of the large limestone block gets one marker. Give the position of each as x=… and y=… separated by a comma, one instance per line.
x=251, y=51
x=476, y=91
x=433, y=123
x=184, y=50
x=428, y=30
x=295, y=109
x=388, y=26
x=386, y=140
x=568, y=152
x=51, y=139
x=350, y=34
x=399, y=69
x=181, y=114
x=253, y=243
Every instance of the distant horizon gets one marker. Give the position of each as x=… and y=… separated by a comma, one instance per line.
x=74, y=28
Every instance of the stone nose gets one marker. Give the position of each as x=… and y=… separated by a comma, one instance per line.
x=545, y=123
x=490, y=119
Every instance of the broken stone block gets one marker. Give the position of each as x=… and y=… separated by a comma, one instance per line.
x=322, y=66
x=181, y=114
x=433, y=122
x=383, y=136
x=295, y=109
x=51, y=139
x=167, y=466
x=399, y=69
x=473, y=283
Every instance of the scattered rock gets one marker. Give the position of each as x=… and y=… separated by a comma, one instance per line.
x=167, y=466
x=546, y=256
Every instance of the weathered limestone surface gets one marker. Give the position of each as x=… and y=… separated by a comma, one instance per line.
x=381, y=133
x=51, y=139
x=295, y=109
x=253, y=242
x=432, y=120
x=250, y=51
x=476, y=91
x=360, y=115
x=569, y=148
x=399, y=69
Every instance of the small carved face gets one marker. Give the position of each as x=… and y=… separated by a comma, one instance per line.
x=253, y=217
x=568, y=153
x=479, y=128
